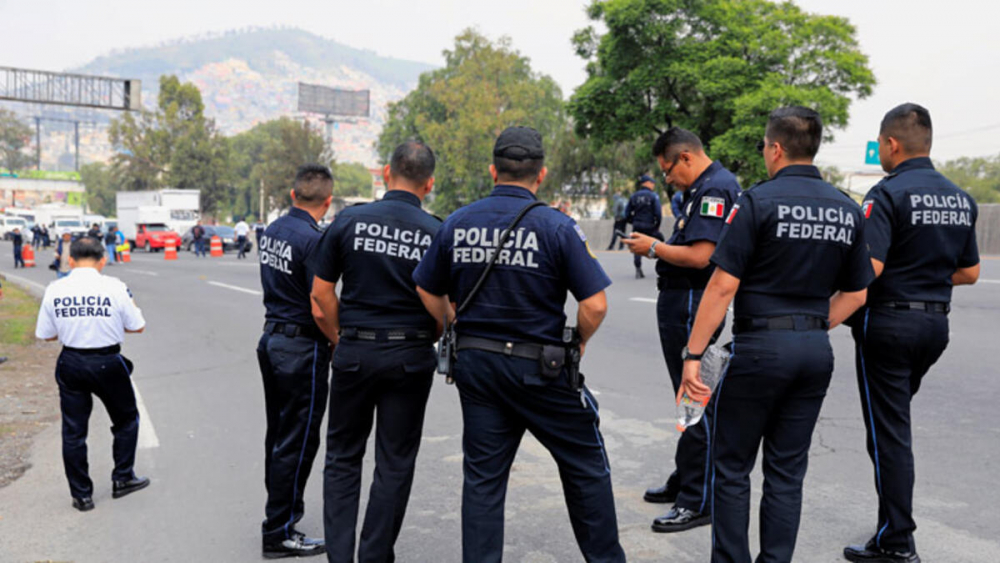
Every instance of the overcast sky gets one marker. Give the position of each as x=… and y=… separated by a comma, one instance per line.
x=944, y=55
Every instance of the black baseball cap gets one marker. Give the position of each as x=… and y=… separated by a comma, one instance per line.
x=519, y=143
x=645, y=178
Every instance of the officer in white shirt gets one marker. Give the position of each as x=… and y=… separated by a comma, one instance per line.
x=242, y=230
x=89, y=314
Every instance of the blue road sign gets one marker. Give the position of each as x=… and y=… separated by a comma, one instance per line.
x=871, y=154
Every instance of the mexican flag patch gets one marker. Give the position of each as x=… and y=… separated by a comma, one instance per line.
x=866, y=209
x=713, y=207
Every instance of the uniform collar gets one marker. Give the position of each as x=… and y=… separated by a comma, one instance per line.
x=402, y=195
x=512, y=191
x=702, y=178
x=807, y=170
x=914, y=164
x=84, y=271
x=300, y=213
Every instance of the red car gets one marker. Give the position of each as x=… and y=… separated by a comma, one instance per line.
x=154, y=236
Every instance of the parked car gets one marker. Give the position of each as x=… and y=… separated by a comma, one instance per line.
x=72, y=225
x=8, y=223
x=154, y=236
x=227, y=234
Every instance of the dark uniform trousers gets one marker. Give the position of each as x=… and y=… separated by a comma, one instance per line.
x=387, y=383
x=295, y=371
x=81, y=375
x=773, y=390
x=501, y=398
x=894, y=349
x=619, y=227
x=675, y=313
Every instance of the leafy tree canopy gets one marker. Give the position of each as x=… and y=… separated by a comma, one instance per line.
x=459, y=110
x=352, y=179
x=716, y=67
x=15, y=135
x=979, y=176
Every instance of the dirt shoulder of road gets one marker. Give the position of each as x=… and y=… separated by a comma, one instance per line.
x=29, y=398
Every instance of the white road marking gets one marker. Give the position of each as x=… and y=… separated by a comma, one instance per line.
x=25, y=280
x=143, y=272
x=990, y=281
x=147, y=434
x=235, y=288
x=642, y=299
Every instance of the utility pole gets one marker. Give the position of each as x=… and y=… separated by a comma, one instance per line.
x=38, y=143
x=76, y=140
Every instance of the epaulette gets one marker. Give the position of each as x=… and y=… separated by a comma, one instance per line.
x=436, y=217
x=359, y=203
x=757, y=184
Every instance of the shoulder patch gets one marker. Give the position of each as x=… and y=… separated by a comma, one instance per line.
x=580, y=233
x=713, y=207
x=866, y=208
x=732, y=213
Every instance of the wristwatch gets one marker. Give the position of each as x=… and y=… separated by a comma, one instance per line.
x=687, y=355
x=652, y=250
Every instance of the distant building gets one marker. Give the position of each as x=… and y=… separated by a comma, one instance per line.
x=378, y=185
x=862, y=181
x=27, y=192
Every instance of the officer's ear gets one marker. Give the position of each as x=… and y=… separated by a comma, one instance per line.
x=429, y=186
x=541, y=175
x=386, y=172
x=327, y=203
x=102, y=263
x=291, y=194
x=493, y=173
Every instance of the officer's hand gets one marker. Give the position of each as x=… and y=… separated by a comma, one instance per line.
x=639, y=243
x=691, y=383
x=583, y=348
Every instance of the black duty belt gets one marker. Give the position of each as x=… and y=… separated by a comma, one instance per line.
x=929, y=306
x=789, y=322
x=386, y=335
x=526, y=350
x=106, y=351
x=293, y=330
x=663, y=283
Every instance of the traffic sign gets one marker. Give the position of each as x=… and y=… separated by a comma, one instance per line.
x=871, y=154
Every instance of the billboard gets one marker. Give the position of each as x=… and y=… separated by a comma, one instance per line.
x=314, y=98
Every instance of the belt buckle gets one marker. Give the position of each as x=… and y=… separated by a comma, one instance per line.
x=508, y=348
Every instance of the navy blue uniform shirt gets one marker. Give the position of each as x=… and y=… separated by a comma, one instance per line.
x=703, y=211
x=793, y=241
x=375, y=248
x=285, y=272
x=525, y=294
x=643, y=210
x=923, y=228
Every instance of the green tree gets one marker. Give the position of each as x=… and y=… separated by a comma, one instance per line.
x=979, y=176
x=459, y=110
x=15, y=135
x=99, y=182
x=352, y=179
x=270, y=153
x=715, y=67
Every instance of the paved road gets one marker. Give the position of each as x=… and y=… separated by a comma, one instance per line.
x=201, y=390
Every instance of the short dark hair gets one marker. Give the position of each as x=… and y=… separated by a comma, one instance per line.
x=510, y=170
x=798, y=129
x=86, y=248
x=313, y=183
x=414, y=161
x=674, y=141
x=910, y=124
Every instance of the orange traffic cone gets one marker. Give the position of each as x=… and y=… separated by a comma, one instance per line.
x=170, y=250
x=28, y=255
x=126, y=255
x=216, y=248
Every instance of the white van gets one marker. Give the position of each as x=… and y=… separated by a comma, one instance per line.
x=8, y=223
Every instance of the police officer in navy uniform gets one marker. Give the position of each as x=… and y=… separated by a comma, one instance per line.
x=294, y=358
x=89, y=313
x=384, y=359
x=921, y=233
x=501, y=337
x=645, y=214
x=683, y=269
x=791, y=243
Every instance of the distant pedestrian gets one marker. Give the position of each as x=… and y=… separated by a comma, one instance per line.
x=120, y=243
x=675, y=203
x=198, y=235
x=618, y=213
x=644, y=212
x=111, y=244
x=94, y=231
x=89, y=314
x=242, y=230
x=46, y=240
x=36, y=236
x=62, y=265
x=18, y=240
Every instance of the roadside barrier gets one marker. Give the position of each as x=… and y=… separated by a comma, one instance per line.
x=28, y=255
x=170, y=250
x=125, y=250
x=216, y=248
